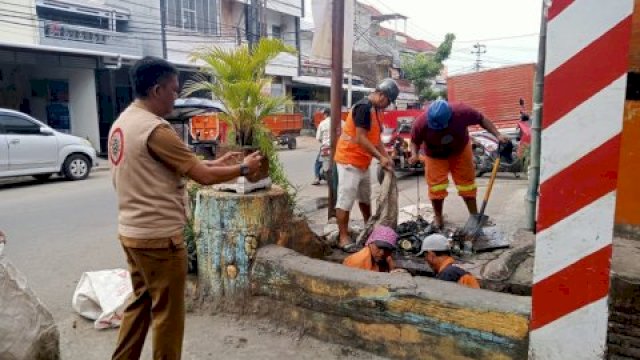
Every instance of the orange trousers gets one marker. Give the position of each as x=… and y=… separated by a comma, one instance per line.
x=462, y=171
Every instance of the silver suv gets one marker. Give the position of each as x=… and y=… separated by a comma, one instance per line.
x=29, y=147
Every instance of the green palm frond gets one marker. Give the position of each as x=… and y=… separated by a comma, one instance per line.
x=236, y=77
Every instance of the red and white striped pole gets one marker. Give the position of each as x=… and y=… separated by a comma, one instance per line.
x=585, y=83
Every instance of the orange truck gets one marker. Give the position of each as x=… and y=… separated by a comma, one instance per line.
x=284, y=127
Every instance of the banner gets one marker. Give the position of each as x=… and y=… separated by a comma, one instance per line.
x=321, y=44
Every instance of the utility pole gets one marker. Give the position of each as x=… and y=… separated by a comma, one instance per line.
x=337, y=67
x=264, y=32
x=163, y=27
x=253, y=23
x=536, y=126
x=480, y=49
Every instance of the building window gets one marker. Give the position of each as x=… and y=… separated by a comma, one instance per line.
x=189, y=15
x=276, y=32
x=193, y=15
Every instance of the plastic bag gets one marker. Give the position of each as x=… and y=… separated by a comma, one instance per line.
x=27, y=328
x=102, y=296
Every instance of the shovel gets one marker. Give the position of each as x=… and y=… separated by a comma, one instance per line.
x=473, y=227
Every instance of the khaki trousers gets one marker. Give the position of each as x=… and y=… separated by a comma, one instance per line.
x=158, y=277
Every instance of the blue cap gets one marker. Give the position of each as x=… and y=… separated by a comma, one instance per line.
x=438, y=115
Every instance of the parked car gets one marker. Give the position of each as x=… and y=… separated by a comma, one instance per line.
x=29, y=147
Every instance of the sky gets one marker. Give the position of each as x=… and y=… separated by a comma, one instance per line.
x=508, y=28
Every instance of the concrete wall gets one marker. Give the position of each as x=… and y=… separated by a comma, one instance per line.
x=22, y=29
x=144, y=15
x=83, y=107
x=628, y=199
x=624, y=301
x=391, y=315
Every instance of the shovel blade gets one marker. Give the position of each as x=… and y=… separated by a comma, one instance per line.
x=474, y=224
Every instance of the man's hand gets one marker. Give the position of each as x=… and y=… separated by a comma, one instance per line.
x=414, y=159
x=503, y=139
x=3, y=238
x=230, y=158
x=253, y=161
x=386, y=163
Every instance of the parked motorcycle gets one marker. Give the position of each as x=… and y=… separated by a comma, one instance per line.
x=325, y=159
x=486, y=148
x=396, y=143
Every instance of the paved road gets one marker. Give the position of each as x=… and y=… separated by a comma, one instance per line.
x=60, y=229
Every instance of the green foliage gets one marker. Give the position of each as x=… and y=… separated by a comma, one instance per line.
x=189, y=231
x=276, y=170
x=236, y=77
x=422, y=68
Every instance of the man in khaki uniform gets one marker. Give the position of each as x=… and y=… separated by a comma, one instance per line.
x=148, y=162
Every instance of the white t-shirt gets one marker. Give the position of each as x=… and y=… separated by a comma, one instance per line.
x=323, y=135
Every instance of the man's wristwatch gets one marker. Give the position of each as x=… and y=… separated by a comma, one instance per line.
x=244, y=170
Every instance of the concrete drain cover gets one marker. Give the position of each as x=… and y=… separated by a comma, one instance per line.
x=491, y=239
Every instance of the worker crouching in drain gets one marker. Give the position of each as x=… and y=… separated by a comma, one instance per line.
x=376, y=255
x=437, y=253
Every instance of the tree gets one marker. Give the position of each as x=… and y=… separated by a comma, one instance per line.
x=422, y=68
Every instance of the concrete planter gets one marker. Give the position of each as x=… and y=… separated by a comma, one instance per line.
x=229, y=228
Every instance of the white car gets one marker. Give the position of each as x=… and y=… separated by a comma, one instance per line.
x=29, y=147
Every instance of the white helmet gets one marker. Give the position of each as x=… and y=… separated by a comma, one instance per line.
x=435, y=242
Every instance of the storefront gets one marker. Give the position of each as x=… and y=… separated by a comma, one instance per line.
x=56, y=88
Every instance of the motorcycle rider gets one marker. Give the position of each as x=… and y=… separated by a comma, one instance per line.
x=443, y=131
x=323, y=135
x=358, y=144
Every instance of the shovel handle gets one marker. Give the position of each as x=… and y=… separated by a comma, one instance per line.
x=492, y=179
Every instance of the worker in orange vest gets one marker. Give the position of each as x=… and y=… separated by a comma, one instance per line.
x=358, y=144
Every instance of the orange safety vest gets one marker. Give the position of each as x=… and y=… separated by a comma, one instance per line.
x=348, y=152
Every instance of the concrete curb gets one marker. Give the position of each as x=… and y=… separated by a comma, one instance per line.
x=314, y=204
x=398, y=316
x=100, y=169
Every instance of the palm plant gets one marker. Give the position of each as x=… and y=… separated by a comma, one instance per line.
x=236, y=77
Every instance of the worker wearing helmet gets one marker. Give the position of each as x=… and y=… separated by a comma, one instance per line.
x=437, y=253
x=442, y=129
x=358, y=144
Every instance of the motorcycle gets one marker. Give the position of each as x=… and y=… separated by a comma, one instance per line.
x=396, y=143
x=486, y=148
x=325, y=160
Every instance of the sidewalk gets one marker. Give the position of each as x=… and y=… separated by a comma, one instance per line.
x=211, y=337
